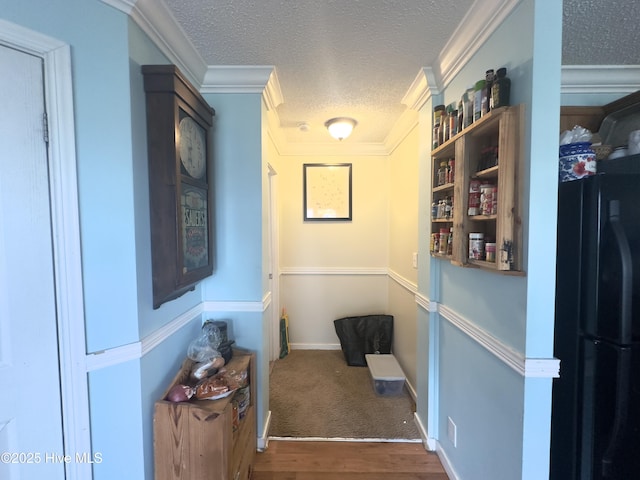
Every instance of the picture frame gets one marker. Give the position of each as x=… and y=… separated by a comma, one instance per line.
x=327, y=193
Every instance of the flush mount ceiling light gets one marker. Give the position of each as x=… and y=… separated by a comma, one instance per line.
x=340, y=127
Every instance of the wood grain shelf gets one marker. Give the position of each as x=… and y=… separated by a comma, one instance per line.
x=501, y=129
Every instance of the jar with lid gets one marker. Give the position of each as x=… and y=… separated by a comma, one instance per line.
x=443, y=240
x=487, y=192
x=453, y=122
x=442, y=173
x=477, y=99
x=451, y=170
x=446, y=130
x=476, y=246
x=490, y=252
x=448, y=208
x=438, y=112
x=467, y=107
x=474, y=198
x=501, y=89
x=486, y=93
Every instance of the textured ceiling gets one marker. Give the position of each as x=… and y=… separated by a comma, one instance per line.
x=358, y=58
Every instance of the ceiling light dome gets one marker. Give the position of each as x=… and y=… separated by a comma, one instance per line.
x=340, y=127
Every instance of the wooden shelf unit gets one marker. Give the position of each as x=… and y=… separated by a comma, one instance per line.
x=502, y=128
x=196, y=440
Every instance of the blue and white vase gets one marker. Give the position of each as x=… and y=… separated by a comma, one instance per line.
x=577, y=160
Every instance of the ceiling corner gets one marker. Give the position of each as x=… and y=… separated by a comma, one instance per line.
x=155, y=19
x=423, y=87
x=239, y=79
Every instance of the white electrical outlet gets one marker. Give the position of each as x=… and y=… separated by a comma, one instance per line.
x=452, y=432
x=414, y=259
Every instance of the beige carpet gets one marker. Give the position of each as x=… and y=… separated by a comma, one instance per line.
x=314, y=393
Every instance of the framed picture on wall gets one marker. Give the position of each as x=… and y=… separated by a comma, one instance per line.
x=327, y=191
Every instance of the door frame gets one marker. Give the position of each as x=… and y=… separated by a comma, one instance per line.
x=274, y=264
x=66, y=237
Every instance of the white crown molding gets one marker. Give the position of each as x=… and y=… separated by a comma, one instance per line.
x=239, y=79
x=480, y=21
x=401, y=129
x=527, y=367
x=334, y=149
x=125, y=6
x=585, y=79
x=424, y=86
x=272, y=93
x=157, y=21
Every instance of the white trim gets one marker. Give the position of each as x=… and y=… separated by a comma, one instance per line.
x=403, y=282
x=423, y=87
x=155, y=338
x=315, y=346
x=527, y=367
x=347, y=439
x=240, y=79
x=334, y=149
x=333, y=271
x=263, y=438
x=408, y=121
x=478, y=24
x=621, y=79
x=541, y=367
x=136, y=350
x=428, y=443
x=210, y=307
x=113, y=356
x=425, y=303
x=446, y=463
x=66, y=236
x=156, y=20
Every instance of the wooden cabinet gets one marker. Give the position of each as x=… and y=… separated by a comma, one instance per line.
x=486, y=154
x=207, y=439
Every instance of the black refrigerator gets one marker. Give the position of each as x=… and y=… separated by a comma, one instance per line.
x=595, y=426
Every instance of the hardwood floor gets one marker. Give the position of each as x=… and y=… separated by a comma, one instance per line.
x=311, y=460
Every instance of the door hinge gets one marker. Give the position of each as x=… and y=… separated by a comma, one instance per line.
x=45, y=124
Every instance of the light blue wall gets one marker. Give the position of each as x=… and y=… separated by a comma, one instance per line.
x=238, y=199
x=107, y=50
x=502, y=418
x=239, y=223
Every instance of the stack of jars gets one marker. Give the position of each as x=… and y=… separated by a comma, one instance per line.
x=491, y=92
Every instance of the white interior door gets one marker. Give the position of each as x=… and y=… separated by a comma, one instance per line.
x=30, y=404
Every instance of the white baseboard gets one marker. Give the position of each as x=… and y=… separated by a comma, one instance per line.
x=263, y=438
x=446, y=463
x=315, y=346
x=428, y=443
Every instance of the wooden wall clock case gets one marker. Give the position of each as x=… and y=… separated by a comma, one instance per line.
x=179, y=123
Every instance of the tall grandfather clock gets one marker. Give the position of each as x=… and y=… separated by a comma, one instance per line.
x=179, y=125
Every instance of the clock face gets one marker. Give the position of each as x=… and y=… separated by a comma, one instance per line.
x=193, y=149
